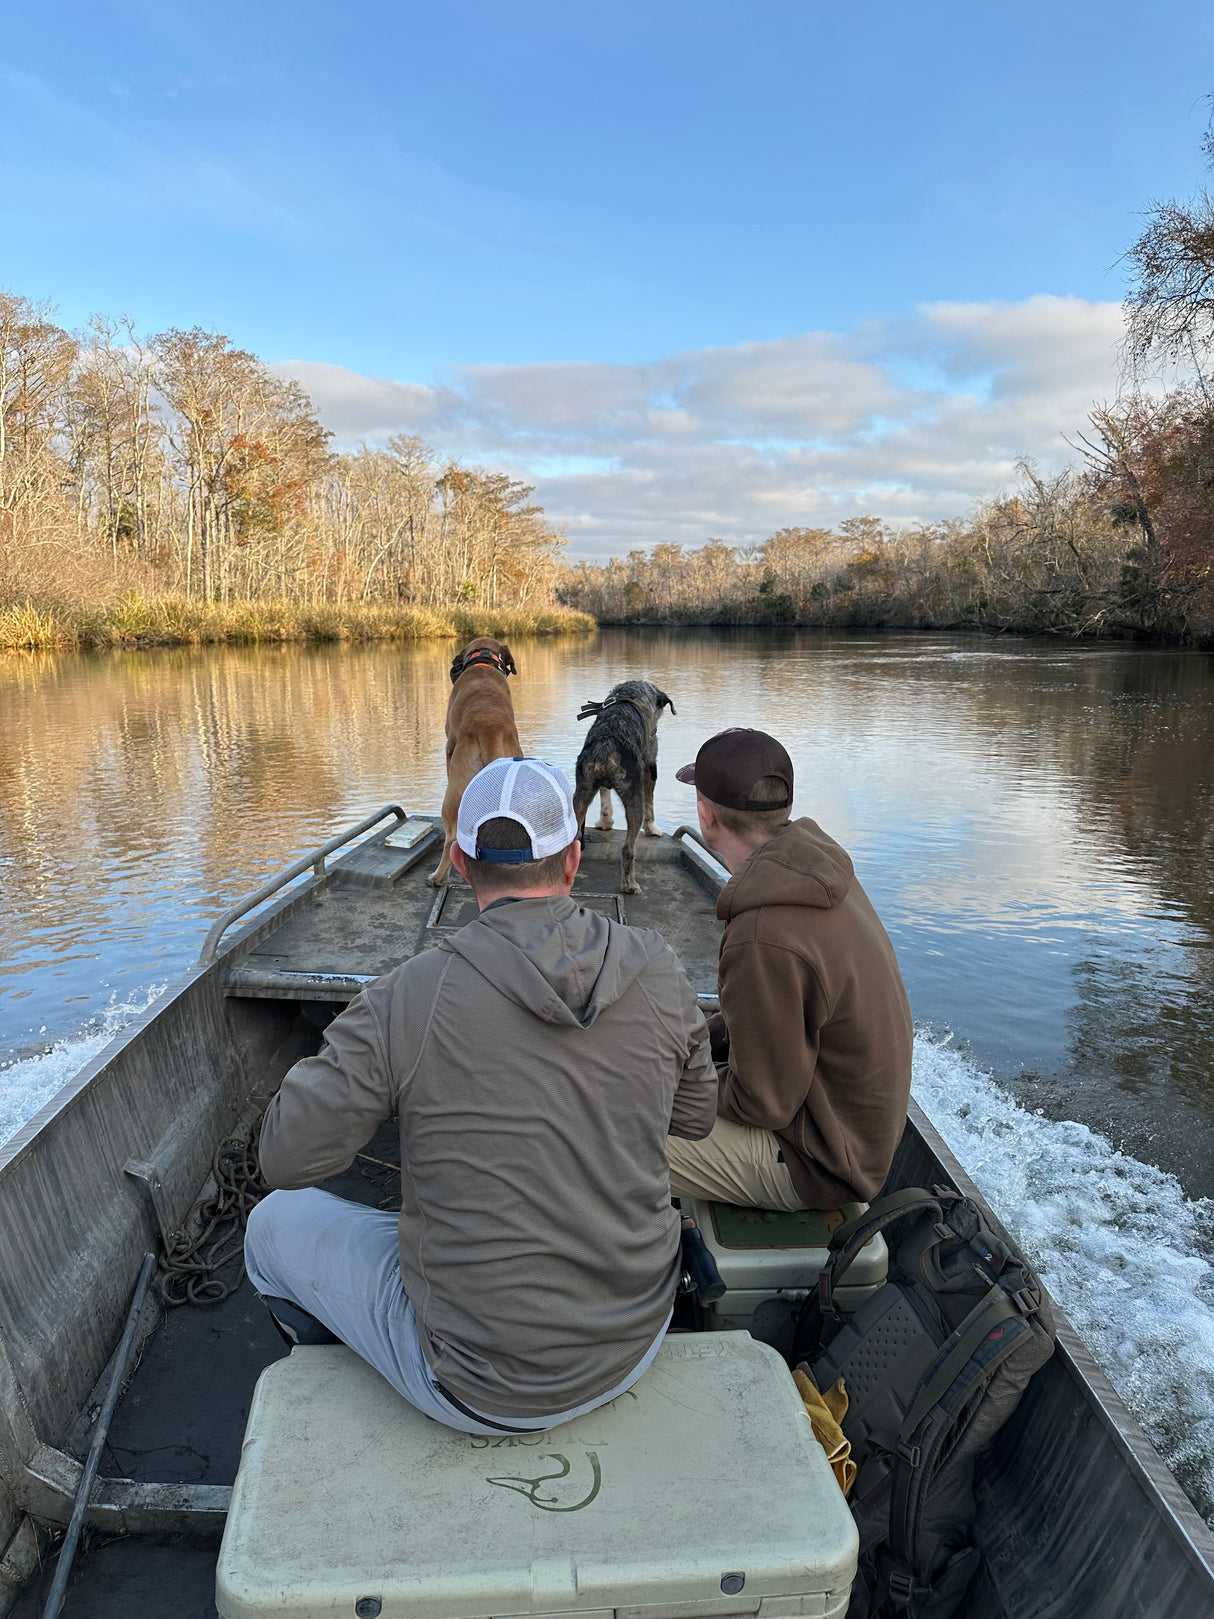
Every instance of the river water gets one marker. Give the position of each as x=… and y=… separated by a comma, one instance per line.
x=1032, y=822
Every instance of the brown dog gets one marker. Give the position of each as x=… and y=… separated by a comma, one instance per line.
x=480, y=727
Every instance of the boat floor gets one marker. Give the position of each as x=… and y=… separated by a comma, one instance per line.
x=182, y=1420
x=367, y=921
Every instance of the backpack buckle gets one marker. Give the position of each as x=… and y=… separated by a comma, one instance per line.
x=903, y=1588
x=911, y=1454
x=1025, y=1301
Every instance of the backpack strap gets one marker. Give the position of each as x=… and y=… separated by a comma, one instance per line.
x=845, y=1244
x=848, y=1239
x=953, y=1355
x=927, y=1426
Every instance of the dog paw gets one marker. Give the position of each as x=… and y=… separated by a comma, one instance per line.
x=605, y=826
x=630, y=888
x=651, y=832
x=436, y=879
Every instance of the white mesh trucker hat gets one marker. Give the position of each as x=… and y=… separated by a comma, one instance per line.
x=528, y=791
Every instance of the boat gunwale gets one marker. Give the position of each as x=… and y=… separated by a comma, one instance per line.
x=1146, y=1466
x=237, y=945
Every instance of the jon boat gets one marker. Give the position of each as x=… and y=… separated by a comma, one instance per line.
x=1079, y=1517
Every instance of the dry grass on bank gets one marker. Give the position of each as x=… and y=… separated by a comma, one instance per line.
x=142, y=621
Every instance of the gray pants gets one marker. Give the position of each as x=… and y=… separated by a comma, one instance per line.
x=340, y=1262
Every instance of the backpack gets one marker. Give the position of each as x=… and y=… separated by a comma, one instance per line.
x=934, y=1363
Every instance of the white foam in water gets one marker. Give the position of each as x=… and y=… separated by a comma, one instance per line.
x=29, y=1083
x=1128, y=1257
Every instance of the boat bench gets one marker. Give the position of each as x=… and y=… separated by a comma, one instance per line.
x=764, y=1255
x=702, y=1491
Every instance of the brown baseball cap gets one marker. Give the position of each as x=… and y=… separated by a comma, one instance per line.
x=730, y=763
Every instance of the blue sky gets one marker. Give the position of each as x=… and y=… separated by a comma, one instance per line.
x=584, y=197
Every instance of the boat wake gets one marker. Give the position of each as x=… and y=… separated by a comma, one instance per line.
x=1128, y=1257
x=28, y=1083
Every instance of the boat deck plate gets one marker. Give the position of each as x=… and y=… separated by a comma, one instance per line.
x=345, y=935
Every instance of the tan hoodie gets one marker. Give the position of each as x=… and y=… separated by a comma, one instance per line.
x=819, y=1025
x=536, y=1060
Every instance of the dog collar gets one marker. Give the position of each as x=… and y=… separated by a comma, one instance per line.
x=484, y=655
x=589, y=708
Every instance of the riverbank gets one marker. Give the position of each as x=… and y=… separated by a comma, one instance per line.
x=135, y=621
x=763, y=615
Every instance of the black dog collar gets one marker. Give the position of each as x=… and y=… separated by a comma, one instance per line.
x=485, y=655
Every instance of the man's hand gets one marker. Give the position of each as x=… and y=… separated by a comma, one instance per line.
x=718, y=1036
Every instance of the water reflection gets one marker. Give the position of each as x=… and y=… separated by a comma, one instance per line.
x=1032, y=821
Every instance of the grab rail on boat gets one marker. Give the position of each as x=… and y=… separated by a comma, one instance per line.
x=316, y=859
x=701, y=857
x=690, y=832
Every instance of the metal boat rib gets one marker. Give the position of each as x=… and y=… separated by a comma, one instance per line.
x=1079, y=1517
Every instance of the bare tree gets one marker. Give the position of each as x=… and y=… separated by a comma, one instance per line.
x=36, y=359
x=1171, y=297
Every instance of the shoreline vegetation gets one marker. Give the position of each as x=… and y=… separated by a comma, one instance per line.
x=173, y=490
x=135, y=622
x=1067, y=556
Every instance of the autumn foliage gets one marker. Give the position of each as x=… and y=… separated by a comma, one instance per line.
x=179, y=465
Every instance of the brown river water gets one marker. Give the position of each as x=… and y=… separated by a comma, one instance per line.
x=1032, y=821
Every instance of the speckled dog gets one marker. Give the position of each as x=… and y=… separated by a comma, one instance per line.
x=621, y=754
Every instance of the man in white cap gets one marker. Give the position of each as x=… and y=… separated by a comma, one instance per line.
x=536, y=1061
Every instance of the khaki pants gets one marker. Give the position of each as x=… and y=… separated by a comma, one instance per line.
x=735, y=1164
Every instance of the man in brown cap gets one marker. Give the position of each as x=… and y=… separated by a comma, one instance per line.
x=813, y=1044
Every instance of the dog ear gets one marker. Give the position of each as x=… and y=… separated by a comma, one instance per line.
x=664, y=701
x=457, y=666
x=508, y=664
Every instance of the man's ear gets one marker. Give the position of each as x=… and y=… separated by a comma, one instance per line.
x=460, y=861
x=573, y=859
x=708, y=819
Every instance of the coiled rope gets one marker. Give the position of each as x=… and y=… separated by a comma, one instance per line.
x=206, y=1263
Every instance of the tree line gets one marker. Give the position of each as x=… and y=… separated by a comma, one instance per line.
x=1120, y=543
x=180, y=463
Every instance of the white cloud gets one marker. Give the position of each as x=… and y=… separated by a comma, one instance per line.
x=356, y=407
x=911, y=421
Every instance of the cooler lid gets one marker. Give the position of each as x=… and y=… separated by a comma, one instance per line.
x=766, y=1249
x=772, y=1228
x=702, y=1491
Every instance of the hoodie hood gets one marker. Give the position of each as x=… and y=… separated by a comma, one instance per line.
x=552, y=957
x=801, y=865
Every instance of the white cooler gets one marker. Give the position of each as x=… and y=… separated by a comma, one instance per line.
x=700, y=1492
x=761, y=1255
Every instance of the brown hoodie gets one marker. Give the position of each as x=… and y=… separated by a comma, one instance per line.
x=819, y=1025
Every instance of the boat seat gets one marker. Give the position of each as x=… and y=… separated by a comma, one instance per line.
x=762, y=1254
x=701, y=1491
